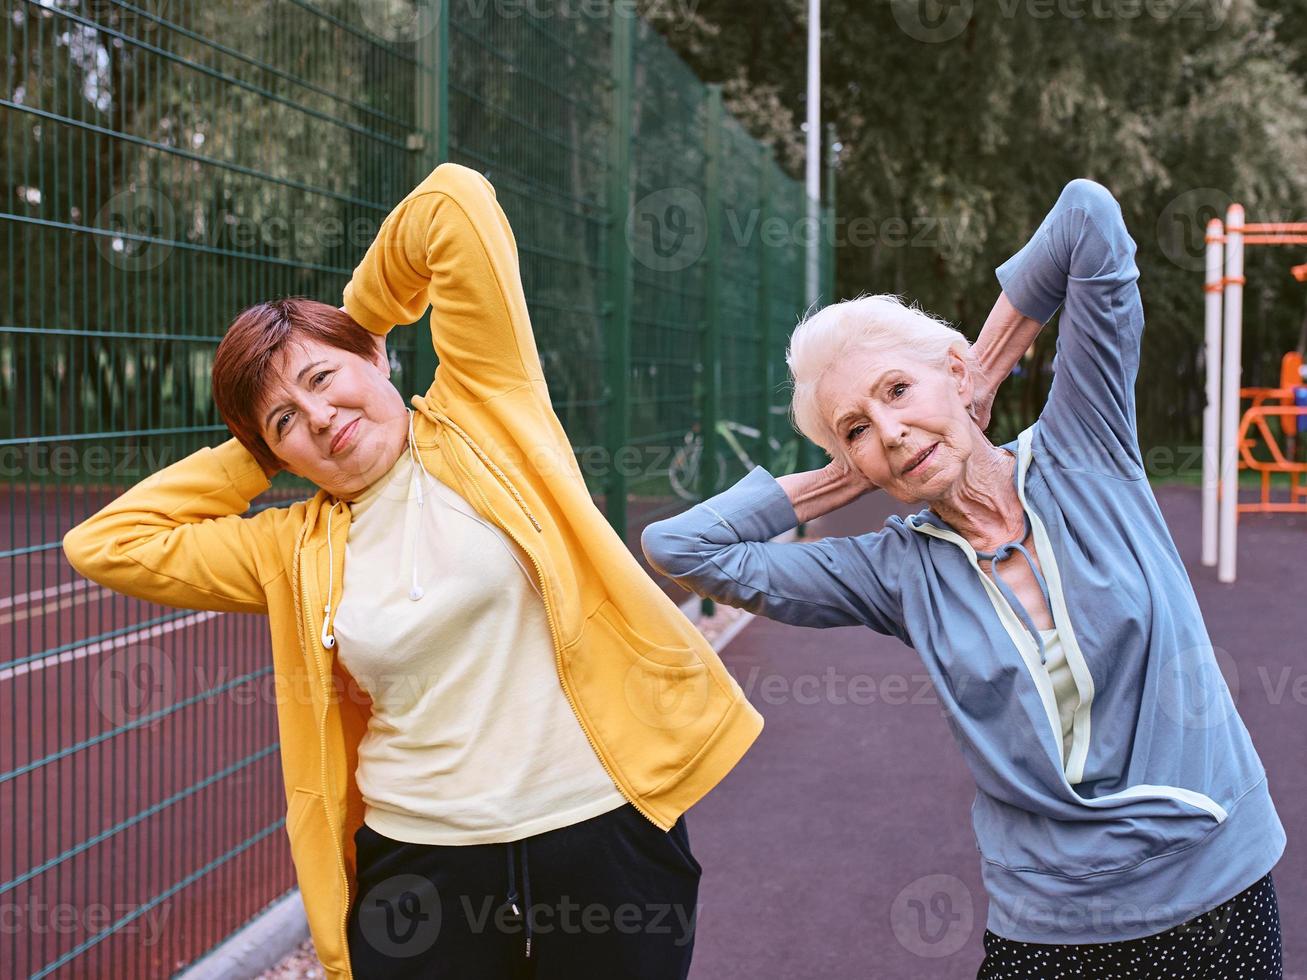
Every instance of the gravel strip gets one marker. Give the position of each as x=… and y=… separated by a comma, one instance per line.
x=300, y=965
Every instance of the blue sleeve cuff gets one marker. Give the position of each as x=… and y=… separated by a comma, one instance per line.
x=1029, y=279
x=756, y=508
x=1035, y=279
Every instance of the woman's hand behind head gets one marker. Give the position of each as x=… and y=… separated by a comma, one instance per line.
x=852, y=479
x=982, y=403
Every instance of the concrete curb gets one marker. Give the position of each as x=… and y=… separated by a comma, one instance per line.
x=261, y=945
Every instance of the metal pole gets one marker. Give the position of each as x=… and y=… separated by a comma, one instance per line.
x=766, y=339
x=828, y=245
x=710, y=349
x=617, y=307
x=444, y=11
x=814, y=150
x=1212, y=355
x=1231, y=368
x=429, y=142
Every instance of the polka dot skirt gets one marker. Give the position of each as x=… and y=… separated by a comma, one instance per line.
x=1239, y=940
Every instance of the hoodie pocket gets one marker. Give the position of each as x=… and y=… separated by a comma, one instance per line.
x=652, y=707
x=674, y=655
x=317, y=872
x=1106, y=840
x=298, y=808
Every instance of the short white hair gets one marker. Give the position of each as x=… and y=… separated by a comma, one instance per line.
x=882, y=323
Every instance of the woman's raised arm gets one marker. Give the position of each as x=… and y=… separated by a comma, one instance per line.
x=1005, y=337
x=177, y=537
x=449, y=244
x=722, y=549
x=1082, y=258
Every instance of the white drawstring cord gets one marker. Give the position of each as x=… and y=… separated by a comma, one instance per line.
x=328, y=640
x=416, y=591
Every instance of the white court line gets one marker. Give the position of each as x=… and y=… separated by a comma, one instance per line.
x=104, y=646
x=17, y=600
x=53, y=606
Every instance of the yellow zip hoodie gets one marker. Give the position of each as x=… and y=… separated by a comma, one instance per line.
x=664, y=716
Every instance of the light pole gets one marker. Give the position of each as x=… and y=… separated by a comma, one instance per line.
x=814, y=149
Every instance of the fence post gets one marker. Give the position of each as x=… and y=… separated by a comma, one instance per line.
x=617, y=306
x=764, y=307
x=429, y=144
x=710, y=351
x=445, y=14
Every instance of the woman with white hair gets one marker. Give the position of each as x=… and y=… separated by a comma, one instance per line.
x=1122, y=813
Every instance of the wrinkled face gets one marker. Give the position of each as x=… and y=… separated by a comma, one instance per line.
x=886, y=409
x=333, y=417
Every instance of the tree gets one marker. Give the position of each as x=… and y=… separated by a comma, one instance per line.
x=961, y=122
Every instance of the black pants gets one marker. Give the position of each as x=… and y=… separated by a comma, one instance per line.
x=612, y=896
x=1237, y=940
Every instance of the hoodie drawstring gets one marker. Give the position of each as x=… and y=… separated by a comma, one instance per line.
x=1001, y=553
x=328, y=640
x=415, y=591
x=511, y=902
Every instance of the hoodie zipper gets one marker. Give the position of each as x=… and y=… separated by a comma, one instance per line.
x=549, y=608
x=298, y=561
x=1021, y=636
x=1014, y=628
x=322, y=748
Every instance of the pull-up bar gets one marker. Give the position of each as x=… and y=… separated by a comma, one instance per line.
x=1223, y=339
x=1276, y=233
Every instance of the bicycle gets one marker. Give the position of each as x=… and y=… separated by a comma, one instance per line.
x=683, y=473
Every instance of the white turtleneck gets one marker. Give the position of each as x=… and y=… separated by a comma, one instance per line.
x=471, y=739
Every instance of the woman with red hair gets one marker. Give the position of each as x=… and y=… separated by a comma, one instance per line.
x=492, y=719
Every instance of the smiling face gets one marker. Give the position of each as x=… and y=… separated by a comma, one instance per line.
x=332, y=417
x=887, y=408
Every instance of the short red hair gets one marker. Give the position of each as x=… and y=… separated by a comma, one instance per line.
x=244, y=364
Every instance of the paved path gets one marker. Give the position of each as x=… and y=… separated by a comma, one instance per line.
x=816, y=845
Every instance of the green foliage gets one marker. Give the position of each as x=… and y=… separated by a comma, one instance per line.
x=966, y=140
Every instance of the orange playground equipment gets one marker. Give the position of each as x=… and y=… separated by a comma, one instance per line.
x=1288, y=409
x=1232, y=433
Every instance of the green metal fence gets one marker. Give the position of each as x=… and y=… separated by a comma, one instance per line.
x=169, y=162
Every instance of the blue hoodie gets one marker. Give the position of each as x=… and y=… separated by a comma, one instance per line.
x=1162, y=810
